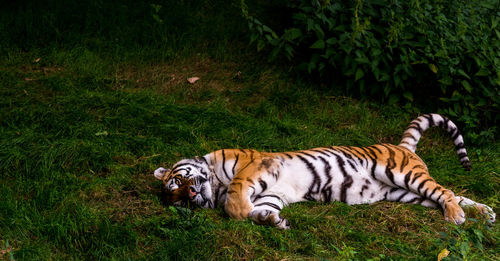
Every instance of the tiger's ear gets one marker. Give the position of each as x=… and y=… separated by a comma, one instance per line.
x=160, y=173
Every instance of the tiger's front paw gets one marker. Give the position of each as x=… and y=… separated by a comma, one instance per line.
x=237, y=207
x=267, y=217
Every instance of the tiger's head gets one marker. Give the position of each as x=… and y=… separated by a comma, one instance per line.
x=187, y=183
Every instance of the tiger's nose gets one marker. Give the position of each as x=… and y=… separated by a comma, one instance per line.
x=192, y=192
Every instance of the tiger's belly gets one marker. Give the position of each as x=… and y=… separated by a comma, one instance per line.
x=352, y=187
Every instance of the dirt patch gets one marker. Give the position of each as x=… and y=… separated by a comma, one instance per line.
x=170, y=76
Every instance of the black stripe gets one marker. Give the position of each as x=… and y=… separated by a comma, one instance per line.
x=330, y=152
x=347, y=180
x=321, y=152
x=431, y=120
x=374, y=166
x=440, y=195
x=433, y=191
x=407, y=179
x=307, y=154
x=402, y=196
x=263, y=184
x=418, y=166
x=370, y=152
x=316, y=179
x=404, y=161
x=424, y=194
x=183, y=164
x=342, y=151
x=415, y=128
x=390, y=164
x=363, y=189
x=416, y=176
x=352, y=165
x=456, y=134
x=408, y=135
x=235, y=162
x=460, y=146
x=446, y=122
x=413, y=200
x=269, y=204
x=217, y=195
x=375, y=148
x=355, y=152
x=205, y=160
x=326, y=191
x=288, y=155
x=422, y=185
x=267, y=196
x=224, y=165
x=394, y=190
x=244, y=151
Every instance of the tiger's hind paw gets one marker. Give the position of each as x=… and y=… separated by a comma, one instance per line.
x=266, y=217
x=454, y=213
x=482, y=209
x=487, y=212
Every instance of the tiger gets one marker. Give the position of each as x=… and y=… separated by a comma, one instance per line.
x=257, y=185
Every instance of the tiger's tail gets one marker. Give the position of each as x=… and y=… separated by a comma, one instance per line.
x=412, y=134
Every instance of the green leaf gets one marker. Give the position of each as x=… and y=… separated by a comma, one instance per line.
x=331, y=41
x=393, y=99
x=289, y=50
x=260, y=45
x=267, y=29
x=447, y=80
x=482, y=72
x=319, y=44
x=408, y=95
x=292, y=34
x=467, y=86
x=359, y=74
x=433, y=68
x=461, y=72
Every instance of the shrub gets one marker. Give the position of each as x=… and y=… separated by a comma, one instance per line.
x=443, y=55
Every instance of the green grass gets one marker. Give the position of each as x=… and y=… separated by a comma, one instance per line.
x=83, y=128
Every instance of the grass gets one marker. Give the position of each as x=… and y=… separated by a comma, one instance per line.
x=83, y=127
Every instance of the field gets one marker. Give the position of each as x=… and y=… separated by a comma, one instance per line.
x=85, y=121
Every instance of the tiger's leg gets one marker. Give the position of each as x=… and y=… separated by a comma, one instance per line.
x=425, y=186
x=248, y=183
x=266, y=211
x=405, y=196
x=401, y=168
x=481, y=208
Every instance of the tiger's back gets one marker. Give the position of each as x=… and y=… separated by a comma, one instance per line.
x=353, y=175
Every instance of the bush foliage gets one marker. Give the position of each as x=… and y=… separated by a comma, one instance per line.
x=445, y=54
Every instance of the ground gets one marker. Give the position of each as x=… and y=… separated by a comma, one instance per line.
x=81, y=136
x=88, y=112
